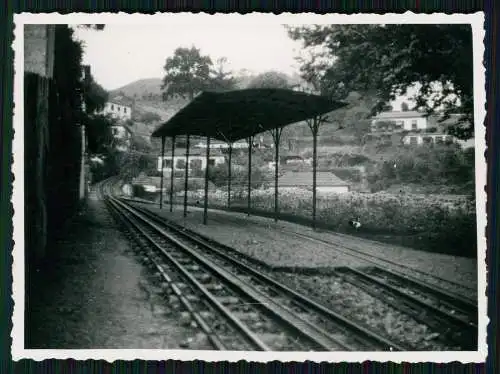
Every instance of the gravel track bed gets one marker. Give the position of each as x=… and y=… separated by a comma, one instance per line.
x=354, y=303
x=363, y=308
x=262, y=238
x=264, y=243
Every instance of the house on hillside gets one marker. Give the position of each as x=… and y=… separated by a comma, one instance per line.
x=214, y=144
x=196, y=160
x=119, y=107
x=326, y=182
x=390, y=122
x=292, y=160
x=411, y=128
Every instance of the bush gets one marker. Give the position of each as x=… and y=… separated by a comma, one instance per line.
x=439, y=224
x=430, y=164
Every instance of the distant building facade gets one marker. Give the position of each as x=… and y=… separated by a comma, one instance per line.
x=389, y=122
x=196, y=159
x=217, y=144
x=119, y=107
x=411, y=128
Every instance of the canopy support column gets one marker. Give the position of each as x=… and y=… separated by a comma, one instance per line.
x=205, y=206
x=186, y=175
x=276, y=133
x=172, y=176
x=229, y=176
x=249, y=196
x=162, y=162
x=314, y=126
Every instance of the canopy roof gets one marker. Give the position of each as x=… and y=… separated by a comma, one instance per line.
x=235, y=115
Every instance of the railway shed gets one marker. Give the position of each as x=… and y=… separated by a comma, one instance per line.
x=241, y=114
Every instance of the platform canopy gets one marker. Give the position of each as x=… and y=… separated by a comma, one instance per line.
x=239, y=114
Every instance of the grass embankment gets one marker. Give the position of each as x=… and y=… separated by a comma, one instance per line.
x=431, y=223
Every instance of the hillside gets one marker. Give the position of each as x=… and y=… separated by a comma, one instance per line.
x=140, y=88
x=148, y=105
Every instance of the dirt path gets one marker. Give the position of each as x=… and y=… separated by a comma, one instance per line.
x=95, y=294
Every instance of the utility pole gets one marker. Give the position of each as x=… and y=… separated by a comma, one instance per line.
x=83, y=179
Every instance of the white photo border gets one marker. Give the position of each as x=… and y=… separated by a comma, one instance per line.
x=476, y=20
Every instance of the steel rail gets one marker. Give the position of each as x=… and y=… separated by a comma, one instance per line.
x=300, y=326
x=235, y=322
x=318, y=308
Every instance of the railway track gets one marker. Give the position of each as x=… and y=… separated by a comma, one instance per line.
x=236, y=306
x=445, y=285
x=454, y=317
x=339, y=246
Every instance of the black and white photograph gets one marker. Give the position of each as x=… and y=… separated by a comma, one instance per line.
x=257, y=187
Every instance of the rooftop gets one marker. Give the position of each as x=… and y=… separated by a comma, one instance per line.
x=397, y=115
x=302, y=178
x=235, y=115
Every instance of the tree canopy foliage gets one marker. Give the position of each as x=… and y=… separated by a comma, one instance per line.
x=386, y=60
x=95, y=95
x=98, y=27
x=270, y=79
x=220, y=78
x=437, y=165
x=188, y=72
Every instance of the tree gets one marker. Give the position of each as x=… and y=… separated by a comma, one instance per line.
x=270, y=79
x=95, y=96
x=221, y=79
x=386, y=60
x=187, y=73
x=98, y=27
x=99, y=136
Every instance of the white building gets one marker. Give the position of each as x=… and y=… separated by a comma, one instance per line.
x=326, y=182
x=196, y=159
x=418, y=139
x=119, y=107
x=217, y=144
x=399, y=121
x=417, y=129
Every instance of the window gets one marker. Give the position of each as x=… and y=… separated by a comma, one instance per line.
x=167, y=163
x=413, y=140
x=118, y=108
x=398, y=125
x=413, y=124
x=439, y=139
x=180, y=164
x=125, y=110
x=195, y=164
x=427, y=139
x=211, y=161
x=112, y=107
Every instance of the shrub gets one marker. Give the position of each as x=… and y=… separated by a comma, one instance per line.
x=441, y=224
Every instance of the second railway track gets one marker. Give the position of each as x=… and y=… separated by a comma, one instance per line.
x=238, y=307
x=455, y=318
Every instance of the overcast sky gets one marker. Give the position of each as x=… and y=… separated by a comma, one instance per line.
x=121, y=54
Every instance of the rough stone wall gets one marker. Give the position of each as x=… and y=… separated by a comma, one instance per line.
x=38, y=66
